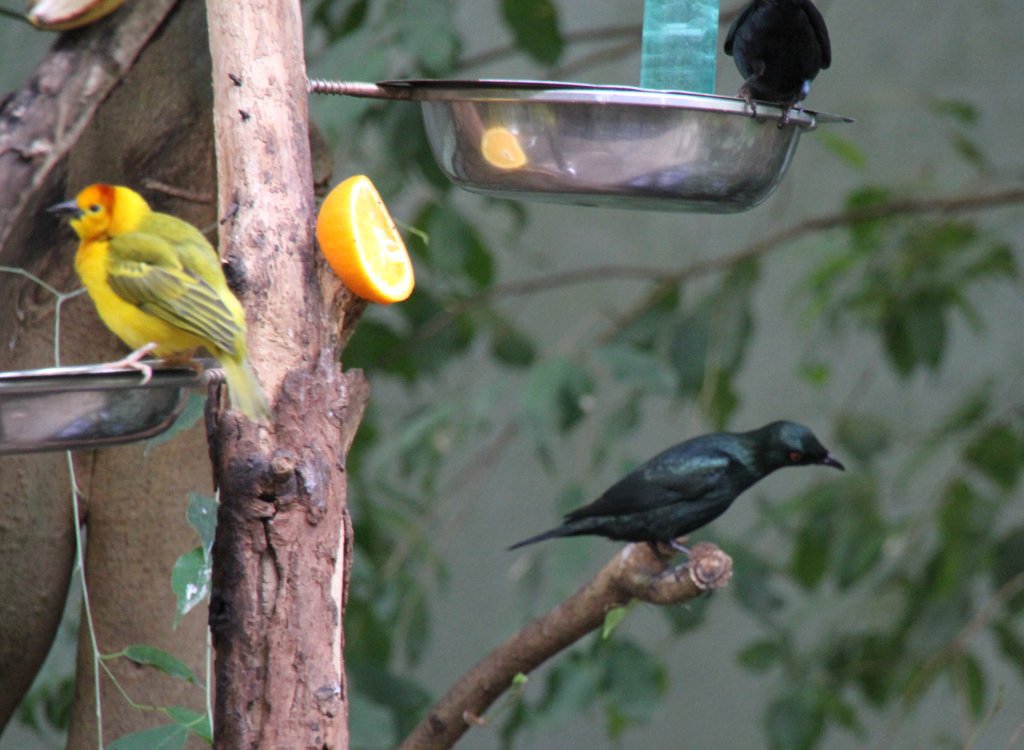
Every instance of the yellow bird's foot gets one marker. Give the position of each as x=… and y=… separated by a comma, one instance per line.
x=134, y=362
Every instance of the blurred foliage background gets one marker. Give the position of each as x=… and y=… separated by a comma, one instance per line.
x=873, y=298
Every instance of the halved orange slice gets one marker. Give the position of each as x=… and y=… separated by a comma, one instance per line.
x=360, y=242
x=501, y=148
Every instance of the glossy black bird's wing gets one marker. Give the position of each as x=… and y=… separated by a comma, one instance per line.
x=657, y=484
x=820, y=31
x=739, y=20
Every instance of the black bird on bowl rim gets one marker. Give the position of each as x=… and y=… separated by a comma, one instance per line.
x=779, y=47
x=690, y=484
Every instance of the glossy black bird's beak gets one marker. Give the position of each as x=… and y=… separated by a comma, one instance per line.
x=830, y=460
x=67, y=208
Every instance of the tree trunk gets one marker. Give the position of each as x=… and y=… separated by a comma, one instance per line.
x=283, y=549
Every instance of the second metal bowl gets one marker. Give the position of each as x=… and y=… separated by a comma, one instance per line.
x=607, y=145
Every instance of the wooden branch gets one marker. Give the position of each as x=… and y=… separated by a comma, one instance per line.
x=283, y=549
x=635, y=573
x=43, y=120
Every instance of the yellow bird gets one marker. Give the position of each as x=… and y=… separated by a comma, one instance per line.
x=157, y=283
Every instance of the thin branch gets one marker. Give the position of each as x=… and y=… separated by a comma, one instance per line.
x=634, y=573
x=668, y=278
x=601, y=56
x=597, y=34
x=903, y=207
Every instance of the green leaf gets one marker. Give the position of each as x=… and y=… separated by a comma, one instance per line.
x=686, y=617
x=191, y=413
x=369, y=724
x=844, y=148
x=556, y=394
x=457, y=249
x=193, y=721
x=862, y=435
x=859, y=532
x=168, y=737
x=795, y=720
x=963, y=112
x=914, y=333
x=612, y=619
x=159, y=659
x=634, y=681
x=639, y=367
x=1009, y=564
x=1010, y=643
x=571, y=687
x=971, y=680
x=202, y=516
x=512, y=347
x=866, y=234
x=425, y=30
x=815, y=373
x=752, y=585
x=656, y=322
x=968, y=412
x=688, y=352
x=998, y=453
x=969, y=150
x=534, y=24
x=812, y=546
x=760, y=656
x=417, y=633
x=190, y=580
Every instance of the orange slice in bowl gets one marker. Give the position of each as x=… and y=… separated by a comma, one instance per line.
x=361, y=244
x=501, y=148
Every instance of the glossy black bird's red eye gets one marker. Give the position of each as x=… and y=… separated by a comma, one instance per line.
x=796, y=457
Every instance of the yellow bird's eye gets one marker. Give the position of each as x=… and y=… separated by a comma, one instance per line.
x=95, y=208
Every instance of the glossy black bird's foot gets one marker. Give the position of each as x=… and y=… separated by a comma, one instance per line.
x=679, y=547
x=790, y=109
x=668, y=550
x=745, y=95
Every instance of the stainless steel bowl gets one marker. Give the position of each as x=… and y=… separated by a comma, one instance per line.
x=606, y=145
x=61, y=408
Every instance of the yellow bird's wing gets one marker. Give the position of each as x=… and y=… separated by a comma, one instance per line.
x=146, y=270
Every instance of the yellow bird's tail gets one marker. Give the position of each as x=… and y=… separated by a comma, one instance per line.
x=245, y=391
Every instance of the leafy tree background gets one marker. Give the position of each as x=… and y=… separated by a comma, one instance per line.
x=878, y=608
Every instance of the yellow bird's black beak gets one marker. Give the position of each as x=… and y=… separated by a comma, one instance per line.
x=67, y=208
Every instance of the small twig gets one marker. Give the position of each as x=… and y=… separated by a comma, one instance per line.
x=634, y=573
x=178, y=192
x=597, y=57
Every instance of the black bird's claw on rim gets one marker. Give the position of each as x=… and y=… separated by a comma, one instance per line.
x=745, y=95
x=674, y=548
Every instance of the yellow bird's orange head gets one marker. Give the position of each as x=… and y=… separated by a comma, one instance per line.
x=103, y=211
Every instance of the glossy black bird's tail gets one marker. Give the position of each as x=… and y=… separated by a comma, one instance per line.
x=550, y=534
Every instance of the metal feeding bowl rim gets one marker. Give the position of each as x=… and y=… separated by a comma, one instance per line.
x=98, y=377
x=98, y=406
x=555, y=92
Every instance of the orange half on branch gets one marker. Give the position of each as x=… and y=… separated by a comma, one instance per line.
x=361, y=244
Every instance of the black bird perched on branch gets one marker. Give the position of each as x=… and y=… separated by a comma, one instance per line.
x=779, y=47
x=691, y=484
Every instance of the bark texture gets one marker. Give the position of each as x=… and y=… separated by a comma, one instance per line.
x=283, y=548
